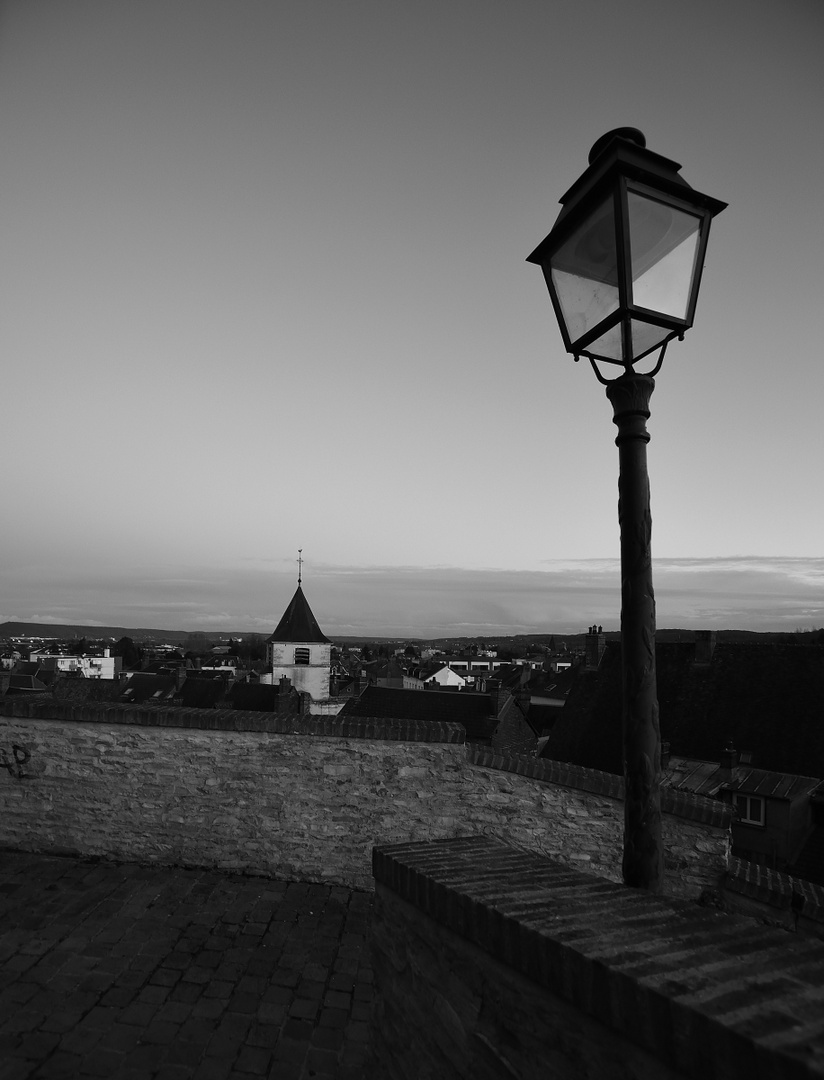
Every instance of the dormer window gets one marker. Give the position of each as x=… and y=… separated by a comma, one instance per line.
x=301, y=656
x=750, y=809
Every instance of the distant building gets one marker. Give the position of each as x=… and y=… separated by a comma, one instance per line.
x=298, y=650
x=221, y=663
x=84, y=667
x=384, y=673
x=29, y=677
x=447, y=677
x=478, y=713
x=144, y=688
x=768, y=698
x=472, y=662
x=774, y=816
x=531, y=662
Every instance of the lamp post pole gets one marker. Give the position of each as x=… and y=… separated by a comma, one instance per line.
x=623, y=265
x=643, y=860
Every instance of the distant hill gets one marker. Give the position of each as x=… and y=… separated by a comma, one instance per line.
x=517, y=643
x=521, y=641
x=70, y=630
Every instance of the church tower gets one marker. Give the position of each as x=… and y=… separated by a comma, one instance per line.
x=299, y=649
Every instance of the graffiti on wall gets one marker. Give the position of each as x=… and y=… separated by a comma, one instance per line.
x=13, y=763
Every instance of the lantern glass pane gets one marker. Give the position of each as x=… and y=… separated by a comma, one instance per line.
x=663, y=245
x=584, y=272
x=645, y=337
x=609, y=345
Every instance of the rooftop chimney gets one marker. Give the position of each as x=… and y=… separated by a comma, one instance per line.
x=595, y=645
x=704, y=646
x=729, y=758
x=497, y=695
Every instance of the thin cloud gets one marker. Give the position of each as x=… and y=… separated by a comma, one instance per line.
x=742, y=592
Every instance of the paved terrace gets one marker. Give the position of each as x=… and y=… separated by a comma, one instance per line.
x=149, y=973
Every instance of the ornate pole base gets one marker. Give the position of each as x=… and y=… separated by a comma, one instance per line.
x=643, y=862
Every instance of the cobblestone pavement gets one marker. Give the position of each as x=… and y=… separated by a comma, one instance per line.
x=145, y=973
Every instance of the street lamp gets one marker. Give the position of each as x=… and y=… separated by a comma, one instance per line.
x=623, y=265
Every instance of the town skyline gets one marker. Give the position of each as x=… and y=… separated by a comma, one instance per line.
x=264, y=287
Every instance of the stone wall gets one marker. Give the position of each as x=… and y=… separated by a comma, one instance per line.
x=491, y=963
x=307, y=798
x=588, y=822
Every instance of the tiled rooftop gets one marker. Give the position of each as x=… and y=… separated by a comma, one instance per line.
x=150, y=973
x=767, y=698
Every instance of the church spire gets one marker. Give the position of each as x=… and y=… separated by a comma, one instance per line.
x=298, y=623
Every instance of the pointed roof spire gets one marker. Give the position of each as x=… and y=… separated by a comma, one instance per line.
x=298, y=623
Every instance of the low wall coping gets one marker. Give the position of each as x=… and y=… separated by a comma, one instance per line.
x=776, y=889
x=682, y=804
x=173, y=716
x=712, y=995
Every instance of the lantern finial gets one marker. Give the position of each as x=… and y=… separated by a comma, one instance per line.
x=631, y=134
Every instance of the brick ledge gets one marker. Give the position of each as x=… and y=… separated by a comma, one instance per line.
x=712, y=995
x=776, y=889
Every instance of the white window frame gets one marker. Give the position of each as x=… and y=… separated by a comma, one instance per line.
x=303, y=657
x=745, y=804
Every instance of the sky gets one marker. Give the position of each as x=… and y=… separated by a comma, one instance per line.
x=263, y=288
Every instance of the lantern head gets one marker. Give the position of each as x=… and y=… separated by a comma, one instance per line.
x=623, y=260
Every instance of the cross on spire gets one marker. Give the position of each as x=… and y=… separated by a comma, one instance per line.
x=300, y=564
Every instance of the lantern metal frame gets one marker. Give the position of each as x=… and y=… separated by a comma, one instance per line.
x=620, y=165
